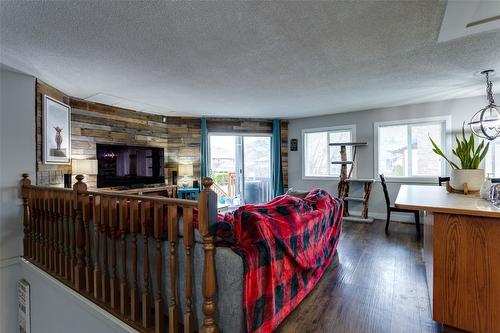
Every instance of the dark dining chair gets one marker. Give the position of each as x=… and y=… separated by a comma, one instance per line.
x=441, y=180
x=391, y=209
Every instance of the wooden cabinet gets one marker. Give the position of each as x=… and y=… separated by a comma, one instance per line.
x=462, y=257
x=466, y=268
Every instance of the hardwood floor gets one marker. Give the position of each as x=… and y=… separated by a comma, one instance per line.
x=378, y=285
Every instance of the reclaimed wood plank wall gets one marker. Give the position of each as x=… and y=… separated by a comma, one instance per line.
x=93, y=123
x=284, y=151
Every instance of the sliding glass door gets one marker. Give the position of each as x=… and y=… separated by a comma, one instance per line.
x=241, y=167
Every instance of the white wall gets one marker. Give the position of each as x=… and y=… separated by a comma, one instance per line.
x=56, y=308
x=460, y=110
x=17, y=155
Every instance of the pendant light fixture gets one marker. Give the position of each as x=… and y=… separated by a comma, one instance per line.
x=486, y=122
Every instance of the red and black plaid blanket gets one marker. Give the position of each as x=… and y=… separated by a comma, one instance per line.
x=286, y=245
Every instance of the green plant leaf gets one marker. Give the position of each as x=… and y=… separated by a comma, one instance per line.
x=440, y=153
x=485, y=151
x=469, y=155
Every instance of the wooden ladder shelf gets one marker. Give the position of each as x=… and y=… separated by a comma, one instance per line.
x=345, y=180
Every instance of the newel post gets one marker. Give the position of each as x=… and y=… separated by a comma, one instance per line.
x=26, y=219
x=207, y=216
x=79, y=189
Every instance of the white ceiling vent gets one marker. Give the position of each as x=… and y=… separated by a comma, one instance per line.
x=464, y=18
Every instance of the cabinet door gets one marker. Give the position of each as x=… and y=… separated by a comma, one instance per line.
x=466, y=272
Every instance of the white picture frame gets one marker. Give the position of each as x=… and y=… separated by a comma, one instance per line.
x=56, y=132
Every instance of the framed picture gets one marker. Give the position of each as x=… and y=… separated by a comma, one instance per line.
x=56, y=132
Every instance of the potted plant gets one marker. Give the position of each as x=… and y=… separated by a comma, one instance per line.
x=470, y=157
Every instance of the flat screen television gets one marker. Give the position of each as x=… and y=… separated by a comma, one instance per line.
x=129, y=166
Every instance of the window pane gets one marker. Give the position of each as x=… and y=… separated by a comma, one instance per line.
x=492, y=160
x=316, y=154
x=393, y=150
x=338, y=136
x=257, y=161
x=424, y=162
x=225, y=161
x=257, y=169
x=496, y=161
x=222, y=154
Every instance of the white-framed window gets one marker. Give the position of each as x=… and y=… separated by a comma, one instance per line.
x=492, y=160
x=318, y=155
x=403, y=149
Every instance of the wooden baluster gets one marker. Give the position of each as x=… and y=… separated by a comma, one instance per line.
x=39, y=223
x=207, y=214
x=88, y=265
x=112, y=232
x=55, y=232
x=173, y=310
x=133, y=223
x=43, y=224
x=31, y=212
x=45, y=228
x=26, y=218
x=49, y=222
x=39, y=220
x=158, y=224
x=146, y=294
x=188, y=244
x=73, y=238
x=105, y=207
x=41, y=208
x=96, y=219
x=64, y=223
x=68, y=269
x=61, y=233
x=123, y=255
x=79, y=189
x=34, y=219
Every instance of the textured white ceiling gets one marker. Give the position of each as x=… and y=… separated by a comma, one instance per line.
x=247, y=59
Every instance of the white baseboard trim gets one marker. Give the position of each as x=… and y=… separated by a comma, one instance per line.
x=84, y=303
x=9, y=262
x=405, y=218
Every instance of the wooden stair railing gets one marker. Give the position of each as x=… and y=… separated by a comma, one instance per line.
x=96, y=263
x=219, y=191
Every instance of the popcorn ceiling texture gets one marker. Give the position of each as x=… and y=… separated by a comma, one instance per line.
x=285, y=59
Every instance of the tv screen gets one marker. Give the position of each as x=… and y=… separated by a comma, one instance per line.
x=130, y=166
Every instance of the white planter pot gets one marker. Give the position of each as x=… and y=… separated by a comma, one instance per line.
x=473, y=177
